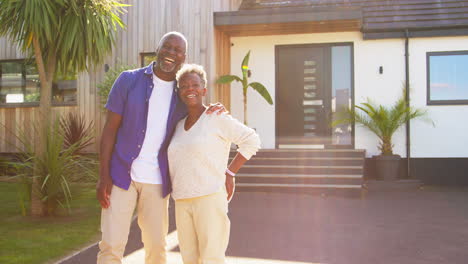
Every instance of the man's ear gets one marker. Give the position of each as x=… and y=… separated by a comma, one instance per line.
x=204, y=91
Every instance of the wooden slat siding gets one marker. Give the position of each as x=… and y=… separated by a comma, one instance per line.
x=23, y=119
x=91, y=110
x=9, y=51
x=223, y=62
x=139, y=28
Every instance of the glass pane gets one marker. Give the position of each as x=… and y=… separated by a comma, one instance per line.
x=19, y=83
x=310, y=87
x=341, y=91
x=448, y=77
x=309, y=71
x=32, y=83
x=148, y=58
x=11, y=82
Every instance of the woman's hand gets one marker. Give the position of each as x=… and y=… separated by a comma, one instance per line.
x=217, y=108
x=230, y=186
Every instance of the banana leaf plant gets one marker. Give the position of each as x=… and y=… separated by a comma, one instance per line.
x=260, y=88
x=381, y=120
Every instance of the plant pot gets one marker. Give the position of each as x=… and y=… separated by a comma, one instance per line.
x=387, y=167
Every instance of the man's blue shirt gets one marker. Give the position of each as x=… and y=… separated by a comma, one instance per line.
x=129, y=97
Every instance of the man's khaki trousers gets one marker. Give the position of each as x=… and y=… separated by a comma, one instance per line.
x=152, y=219
x=203, y=228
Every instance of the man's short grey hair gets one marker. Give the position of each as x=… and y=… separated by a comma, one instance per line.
x=172, y=33
x=192, y=68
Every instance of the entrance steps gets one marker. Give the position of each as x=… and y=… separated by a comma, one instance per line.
x=324, y=171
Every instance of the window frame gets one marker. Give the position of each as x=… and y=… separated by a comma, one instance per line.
x=142, y=57
x=428, y=78
x=34, y=104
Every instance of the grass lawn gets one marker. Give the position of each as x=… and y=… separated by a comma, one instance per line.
x=29, y=240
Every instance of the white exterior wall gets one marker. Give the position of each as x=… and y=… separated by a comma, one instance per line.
x=367, y=81
x=449, y=137
x=427, y=141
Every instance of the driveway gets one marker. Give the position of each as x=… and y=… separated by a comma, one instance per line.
x=413, y=226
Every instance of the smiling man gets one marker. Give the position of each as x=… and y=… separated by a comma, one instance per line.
x=143, y=110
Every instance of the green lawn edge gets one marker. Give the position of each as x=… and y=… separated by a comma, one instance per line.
x=43, y=240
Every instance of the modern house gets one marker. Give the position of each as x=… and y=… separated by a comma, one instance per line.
x=314, y=57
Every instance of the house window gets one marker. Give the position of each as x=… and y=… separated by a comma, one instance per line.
x=447, y=78
x=20, y=85
x=147, y=58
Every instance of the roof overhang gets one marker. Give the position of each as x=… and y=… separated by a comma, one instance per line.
x=288, y=21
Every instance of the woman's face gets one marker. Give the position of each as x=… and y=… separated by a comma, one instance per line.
x=191, y=90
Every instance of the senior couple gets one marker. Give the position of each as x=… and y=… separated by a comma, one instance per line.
x=160, y=139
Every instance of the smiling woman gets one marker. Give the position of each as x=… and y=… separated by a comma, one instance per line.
x=201, y=184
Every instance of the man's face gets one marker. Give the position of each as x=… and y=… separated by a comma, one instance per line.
x=171, y=54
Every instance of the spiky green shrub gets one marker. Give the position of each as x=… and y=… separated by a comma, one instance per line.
x=53, y=169
x=76, y=130
x=381, y=120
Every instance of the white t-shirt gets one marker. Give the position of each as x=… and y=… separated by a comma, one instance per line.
x=145, y=167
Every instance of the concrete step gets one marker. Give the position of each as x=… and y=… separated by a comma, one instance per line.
x=299, y=179
x=320, y=189
x=295, y=169
x=305, y=161
x=300, y=153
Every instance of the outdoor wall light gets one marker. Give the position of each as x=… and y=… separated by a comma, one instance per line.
x=381, y=69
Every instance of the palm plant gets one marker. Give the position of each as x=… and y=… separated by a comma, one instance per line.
x=260, y=88
x=382, y=121
x=63, y=36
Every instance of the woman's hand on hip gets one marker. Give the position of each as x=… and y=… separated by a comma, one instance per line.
x=230, y=186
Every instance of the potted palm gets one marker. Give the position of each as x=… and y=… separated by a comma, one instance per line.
x=260, y=88
x=383, y=122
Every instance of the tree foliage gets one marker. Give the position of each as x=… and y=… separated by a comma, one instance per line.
x=109, y=79
x=71, y=33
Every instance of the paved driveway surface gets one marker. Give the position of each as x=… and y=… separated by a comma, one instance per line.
x=423, y=226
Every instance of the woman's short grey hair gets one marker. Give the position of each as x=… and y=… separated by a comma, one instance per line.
x=192, y=68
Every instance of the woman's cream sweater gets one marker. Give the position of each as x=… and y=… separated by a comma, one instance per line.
x=198, y=157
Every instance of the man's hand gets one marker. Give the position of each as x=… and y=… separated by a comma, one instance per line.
x=103, y=191
x=216, y=108
x=230, y=186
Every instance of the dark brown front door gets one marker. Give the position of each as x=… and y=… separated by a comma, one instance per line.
x=303, y=94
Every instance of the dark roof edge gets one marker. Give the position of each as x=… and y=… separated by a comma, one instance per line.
x=416, y=33
x=286, y=15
